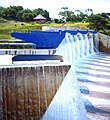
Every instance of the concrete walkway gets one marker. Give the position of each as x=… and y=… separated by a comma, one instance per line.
x=93, y=74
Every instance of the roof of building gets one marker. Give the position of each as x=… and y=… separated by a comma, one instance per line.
x=40, y=17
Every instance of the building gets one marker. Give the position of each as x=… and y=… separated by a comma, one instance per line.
x=40, y=19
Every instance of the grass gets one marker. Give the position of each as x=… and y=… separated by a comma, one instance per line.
x=5, y=37
x=6, y=27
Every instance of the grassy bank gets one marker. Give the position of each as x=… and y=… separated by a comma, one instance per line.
x=6, y=27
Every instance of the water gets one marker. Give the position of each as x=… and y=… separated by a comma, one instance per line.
x=67, y=104
x=6, y=59
x=76, y=47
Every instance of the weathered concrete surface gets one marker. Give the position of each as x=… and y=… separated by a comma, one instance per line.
x=57, y=28
x=104, y=43
x=26, y=91
x=93, y=75
x=26, y=51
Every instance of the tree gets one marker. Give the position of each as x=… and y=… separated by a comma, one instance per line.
x=89, y=11
x=17, y=8
x=97, y=22
x=70, y=16
x=12, y=13
x=46, y=15
x=2, y=12
x=63, y=13
x=106, y=16
x=77, y=12
x=13, y=10
x=27, y=17
x=80, y=16
x=6, y=14
x=19, y=15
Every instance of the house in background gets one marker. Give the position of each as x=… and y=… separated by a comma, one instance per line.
x=40, y=19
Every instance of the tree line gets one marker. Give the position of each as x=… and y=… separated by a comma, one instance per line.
x=18, y=13
x=100, y=22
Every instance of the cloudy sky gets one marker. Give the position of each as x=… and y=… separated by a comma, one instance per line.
x=54, y=6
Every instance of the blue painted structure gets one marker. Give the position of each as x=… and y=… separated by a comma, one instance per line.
x=46, y=39
x=37, y=57
x=42, y=39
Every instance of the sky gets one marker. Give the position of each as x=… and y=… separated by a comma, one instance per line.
x=54, y=6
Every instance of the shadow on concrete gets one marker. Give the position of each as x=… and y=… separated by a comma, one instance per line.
x=85, y=80
x=84, y=89
x=90, y=108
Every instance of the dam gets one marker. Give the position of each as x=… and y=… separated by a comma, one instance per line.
x=74, y=89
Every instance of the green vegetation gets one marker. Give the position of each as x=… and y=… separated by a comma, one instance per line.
x=99, y=22
x=18, y=13
x=16, y=18
x=5, y=37
x=10, y=26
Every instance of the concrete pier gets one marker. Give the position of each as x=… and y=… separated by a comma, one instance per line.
x=26, y=91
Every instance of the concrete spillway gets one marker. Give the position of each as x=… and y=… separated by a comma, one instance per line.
x=27, y=91
x=94, y=81
x=65, y=103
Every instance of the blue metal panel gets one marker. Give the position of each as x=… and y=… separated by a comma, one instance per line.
x=83, y=31
x=37, y=57
x=41, y=39
x=47, y=39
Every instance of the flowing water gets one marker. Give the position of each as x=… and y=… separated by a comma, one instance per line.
x=67, y=104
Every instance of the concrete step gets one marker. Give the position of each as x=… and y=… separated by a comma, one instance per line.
x=93, y=75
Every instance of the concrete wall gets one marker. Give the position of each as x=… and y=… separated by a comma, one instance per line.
x=26, y=92
x=56, y=28
x=104, y=42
